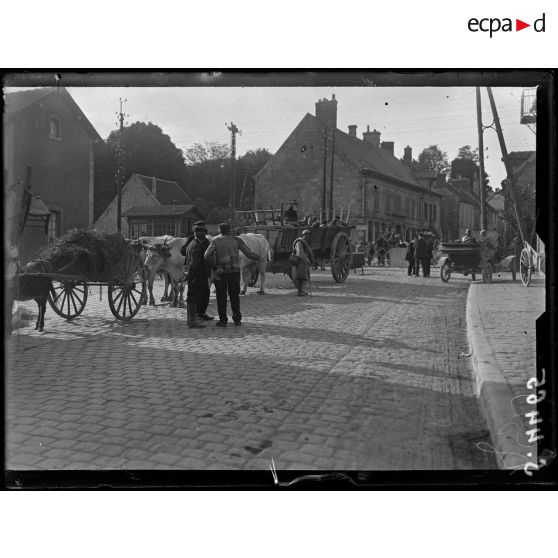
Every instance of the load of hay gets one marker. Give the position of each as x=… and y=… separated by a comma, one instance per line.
x=86, y=252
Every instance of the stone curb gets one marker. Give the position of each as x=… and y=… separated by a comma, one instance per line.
x=495, y=395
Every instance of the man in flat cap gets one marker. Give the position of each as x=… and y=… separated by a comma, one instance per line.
x=197, y=297
x=222, y=255
x=305, y=258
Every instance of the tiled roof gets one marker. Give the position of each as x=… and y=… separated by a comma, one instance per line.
x=14, y=102
x=158, y=211
x=365, y=156
x=168, y=192
x=18, y=100
x=497, y=201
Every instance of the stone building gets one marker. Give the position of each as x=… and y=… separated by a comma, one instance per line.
x=381, y=190
x=48, y=143
x=150, y=207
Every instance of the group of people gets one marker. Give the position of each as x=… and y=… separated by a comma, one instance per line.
x=419, y=254
x=221, y=258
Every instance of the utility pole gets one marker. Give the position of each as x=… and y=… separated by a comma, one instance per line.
x=509, y=169
x=119, y=169
x=482, y=190
x=233, y=130
x=323, y=212
x=331, y=177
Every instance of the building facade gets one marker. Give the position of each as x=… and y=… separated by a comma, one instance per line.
x=379, y=189
x=150, y=207
x=48, y=139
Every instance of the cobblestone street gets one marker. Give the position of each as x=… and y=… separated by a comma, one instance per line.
x=360, y=376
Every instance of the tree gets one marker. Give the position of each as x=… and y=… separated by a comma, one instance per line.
x=466, y=152
x=145, y=150
x=209, y=173
x=433, y=159
x=465, y=165
x=208, y=151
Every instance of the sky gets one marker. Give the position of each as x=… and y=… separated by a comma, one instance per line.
x=414, y=116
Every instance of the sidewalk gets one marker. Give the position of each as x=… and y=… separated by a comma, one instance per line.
x=501, y=320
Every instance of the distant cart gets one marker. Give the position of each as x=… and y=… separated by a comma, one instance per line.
x=330, y=243
x=472, y=258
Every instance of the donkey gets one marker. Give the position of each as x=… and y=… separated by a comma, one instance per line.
x=29, y=287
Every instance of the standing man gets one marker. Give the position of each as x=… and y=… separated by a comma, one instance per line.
x=410, y=257
x=196, y=276
x=428, y=258
x=420, y=254
x=204, y=297
x=222, y=256
x=302, y=250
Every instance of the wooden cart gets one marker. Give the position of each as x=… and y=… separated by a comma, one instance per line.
x=330, y=243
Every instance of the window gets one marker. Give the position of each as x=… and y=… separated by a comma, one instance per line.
x=54, y=130
x=163, y=227
x=388, y=202
x=54, y=226
x=408, y=207
x=138, y=229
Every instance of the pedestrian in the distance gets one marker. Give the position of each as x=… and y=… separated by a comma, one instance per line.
x=222, y=256
x=410, y=258
x=420, y=254
x=304, y=261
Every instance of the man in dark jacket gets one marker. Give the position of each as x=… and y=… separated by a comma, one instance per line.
x=420, y=254
x=222, y=255
x=410, y=257
x=196, y=276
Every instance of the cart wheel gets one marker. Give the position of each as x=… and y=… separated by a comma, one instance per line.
x=68, y=298
x=126, y=287
x=254, y=278
x=340, y=257
x=445, y=272
x=525, y=267
x=487, y=273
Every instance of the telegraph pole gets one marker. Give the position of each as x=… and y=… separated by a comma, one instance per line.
x=119, y=169
x=482, y=191
x=233, y=130
x=509, y=169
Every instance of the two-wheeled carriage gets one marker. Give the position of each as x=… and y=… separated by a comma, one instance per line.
x=69, y=270
x=330, y=243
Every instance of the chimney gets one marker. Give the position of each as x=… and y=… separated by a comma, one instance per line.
x=352, y=130
x=408, y=155
x=154, y=186
x=326, y=111
x=372, y=137
x=388, y=146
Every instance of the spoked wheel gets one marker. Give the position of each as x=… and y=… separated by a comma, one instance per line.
x=340, y=257
x=126, y=287
x=68, y=298
x=525, y=267
x=487, y=271
x=445, y=272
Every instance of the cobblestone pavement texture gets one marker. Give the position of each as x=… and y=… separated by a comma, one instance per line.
x=502, y=321
x=363, y=375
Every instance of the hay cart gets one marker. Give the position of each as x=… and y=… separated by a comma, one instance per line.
x=330, y=243
x=472, y=258
x=121, y=271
